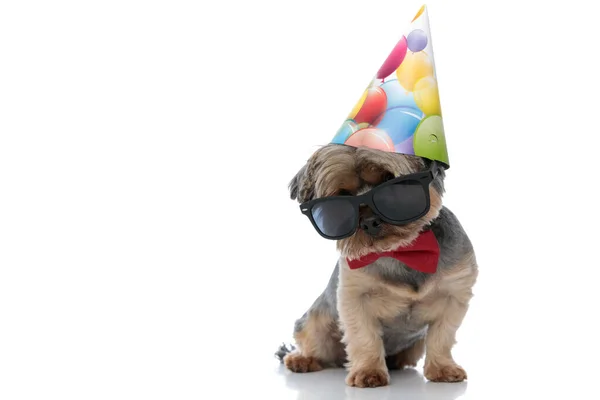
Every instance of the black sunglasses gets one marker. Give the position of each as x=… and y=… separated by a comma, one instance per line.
x=398, y=201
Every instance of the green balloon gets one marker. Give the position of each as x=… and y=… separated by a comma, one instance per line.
x=429, y=140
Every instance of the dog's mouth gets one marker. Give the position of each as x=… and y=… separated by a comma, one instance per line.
x=375, y=239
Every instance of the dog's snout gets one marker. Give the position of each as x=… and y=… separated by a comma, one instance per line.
x=371, y=225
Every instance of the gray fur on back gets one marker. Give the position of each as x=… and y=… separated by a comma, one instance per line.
x=403, y=331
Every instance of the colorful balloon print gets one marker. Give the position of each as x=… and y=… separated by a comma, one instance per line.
x=405, y=147
x=416, y=40
x=394, y=59
x=374, y=104
x=372, y=138
x=427, y=96
x=430, y=141
x=418, y=13
x=397, y=96
x=399, y=123
x=414, y=67
x=347, y=129
x=359, y=104
x=400, y=109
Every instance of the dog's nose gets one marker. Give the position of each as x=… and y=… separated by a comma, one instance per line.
x=371, y=225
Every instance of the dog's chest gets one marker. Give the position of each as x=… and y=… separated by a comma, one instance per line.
x=402, y=332
x=407, y=292
x=404, y=328
x=393, y=272
x=407, y=326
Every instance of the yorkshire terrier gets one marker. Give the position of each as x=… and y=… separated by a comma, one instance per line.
x=382, y=314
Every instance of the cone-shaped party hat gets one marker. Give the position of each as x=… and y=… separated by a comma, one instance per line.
x=400, y=110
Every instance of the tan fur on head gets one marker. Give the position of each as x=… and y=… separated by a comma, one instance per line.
x=336, y=169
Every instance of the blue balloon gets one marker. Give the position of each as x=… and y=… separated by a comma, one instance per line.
x=399, y=123
x=417, y=40
x=397, y=96
x=347, y=129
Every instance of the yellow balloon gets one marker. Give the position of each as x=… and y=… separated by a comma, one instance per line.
x=358, y=105
x=427, y=96
x=414, y=67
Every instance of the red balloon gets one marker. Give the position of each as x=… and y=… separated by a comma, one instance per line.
x=394, y=59
x=372, y=138
x=373, y=106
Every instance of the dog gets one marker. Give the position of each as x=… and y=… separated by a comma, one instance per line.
x=385, y=315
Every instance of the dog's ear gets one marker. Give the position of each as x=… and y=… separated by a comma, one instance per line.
x=438, y=182
x=300, y=186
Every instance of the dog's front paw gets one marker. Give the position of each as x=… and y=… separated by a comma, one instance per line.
x=373, y=377
x=298, y=363
x=444, y=373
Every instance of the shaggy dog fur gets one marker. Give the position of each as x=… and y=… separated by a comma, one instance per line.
x=386, y=315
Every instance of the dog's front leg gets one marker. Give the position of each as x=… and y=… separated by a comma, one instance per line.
x=446, y=314
x=439, y=363
x=357, y=307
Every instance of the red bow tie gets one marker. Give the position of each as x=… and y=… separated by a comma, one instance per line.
x=422, y=255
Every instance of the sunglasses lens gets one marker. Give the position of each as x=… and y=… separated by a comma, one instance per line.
x=401, y=201
x=335, y=218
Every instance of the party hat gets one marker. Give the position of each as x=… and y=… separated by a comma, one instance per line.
x=400, y=109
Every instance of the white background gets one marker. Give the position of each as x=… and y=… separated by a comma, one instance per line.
x=148, y=247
